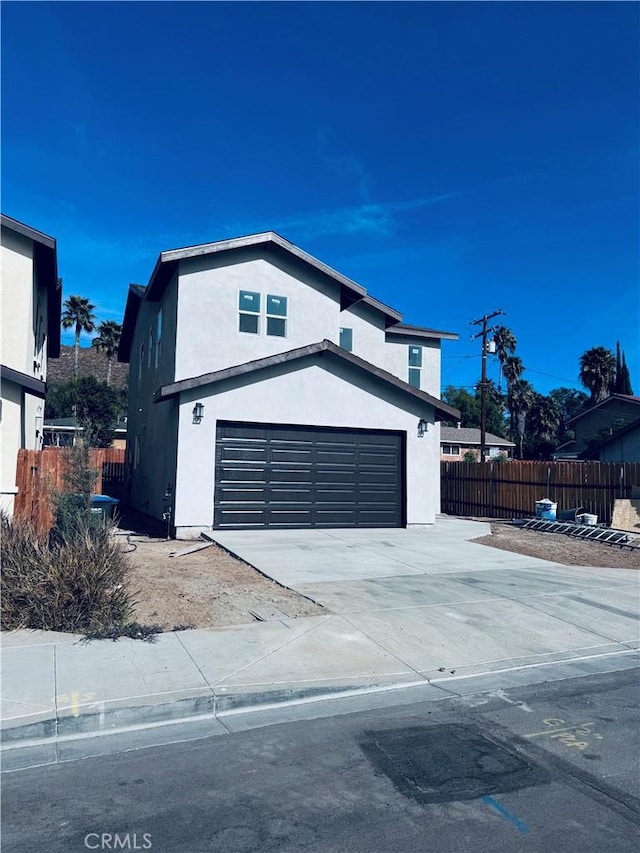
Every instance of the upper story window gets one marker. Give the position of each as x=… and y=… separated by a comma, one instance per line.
x=141, y=362
x=346, y=338
x=150, y=350
x=415, y=366
x=249, y=312
x=277, y=316
x=158, y=336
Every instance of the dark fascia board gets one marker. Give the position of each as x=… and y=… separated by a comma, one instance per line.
x=167, y=392
x=624, y=397
x=45, y=257
x=134, y=298
x=406, y=330
x=27, y=231
x=36, y=386
x=168, y=261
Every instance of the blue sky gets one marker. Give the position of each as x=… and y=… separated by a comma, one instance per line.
x=451, y=157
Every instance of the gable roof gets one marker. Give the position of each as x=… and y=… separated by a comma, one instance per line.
x=405, y=329
x=618, y=433
x=471, y=435
x=269, y=242
x=624, y=397
x=45, y=258
x=322, y=348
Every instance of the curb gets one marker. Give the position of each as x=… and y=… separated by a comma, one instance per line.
x=228, y=705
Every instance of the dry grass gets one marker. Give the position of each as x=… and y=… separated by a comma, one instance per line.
x=76, y=584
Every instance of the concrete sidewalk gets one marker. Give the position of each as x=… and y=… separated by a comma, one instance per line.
x=415, y=608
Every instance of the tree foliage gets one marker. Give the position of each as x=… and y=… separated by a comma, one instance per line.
x=78, y=314
x=95, y=406
x=598, y=372
x=108, y=341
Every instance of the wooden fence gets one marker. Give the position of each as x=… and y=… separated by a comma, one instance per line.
x=511, y=489
x=40, y=473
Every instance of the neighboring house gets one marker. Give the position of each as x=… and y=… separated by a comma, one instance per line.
x=62, y=432
x=268, y=390
x=31, y=302
x=597, y=424
x=621, y=446
x=458, y=440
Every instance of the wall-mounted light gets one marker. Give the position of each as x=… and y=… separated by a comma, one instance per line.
x=422, y=427
x=198, y=413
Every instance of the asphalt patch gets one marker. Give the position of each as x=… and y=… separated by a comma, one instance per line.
x=448, y=763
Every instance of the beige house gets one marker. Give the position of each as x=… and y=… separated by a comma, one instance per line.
x=455, y=442
x=31, y=302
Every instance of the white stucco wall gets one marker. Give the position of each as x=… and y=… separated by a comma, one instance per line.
x=396, y=360
x=10, y=440
x=368, y=332
x=17, y=302
x=207, y=336
x=316, y=392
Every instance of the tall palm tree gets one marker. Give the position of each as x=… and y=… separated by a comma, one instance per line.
x=78, y=314
x=513, y=369
x=505, y=342
x=108, y=341
x=522, y=396
x=597, y=372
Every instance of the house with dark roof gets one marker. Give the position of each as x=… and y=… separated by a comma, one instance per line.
x=594, y=427
x=267, y=389
x=457, y=441
x=31, y=304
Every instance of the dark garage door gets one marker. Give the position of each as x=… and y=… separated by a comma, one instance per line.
x=271, y=475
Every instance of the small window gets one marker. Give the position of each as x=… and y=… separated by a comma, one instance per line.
x=249, y=312
x=136, y=452
x=451, y=449
x=277, y=316
x=346, y=339
x=158, y=337
x=141, y=362
x=415, y=366
x=150, y=350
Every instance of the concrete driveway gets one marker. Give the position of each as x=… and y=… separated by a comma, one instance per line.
x=444, y=606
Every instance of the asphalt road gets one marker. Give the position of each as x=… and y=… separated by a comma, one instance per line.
x=550, y=767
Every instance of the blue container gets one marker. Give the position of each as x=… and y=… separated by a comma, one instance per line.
x=546, y=509
x=103, y=505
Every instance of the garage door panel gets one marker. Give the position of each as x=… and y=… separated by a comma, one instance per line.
x=286, y=476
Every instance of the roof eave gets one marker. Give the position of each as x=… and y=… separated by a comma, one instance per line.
x=166, y=392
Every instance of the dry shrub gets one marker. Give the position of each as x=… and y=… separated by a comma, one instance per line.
x=72, y=583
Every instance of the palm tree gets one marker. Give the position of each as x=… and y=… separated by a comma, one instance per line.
x=545, y=417
x=505, y=342
x=108, y=341
x=522, y=396
x=597, y=372
x=78, y=313
x=513, y=369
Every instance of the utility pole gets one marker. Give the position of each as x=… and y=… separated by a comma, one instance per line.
x=483, y=382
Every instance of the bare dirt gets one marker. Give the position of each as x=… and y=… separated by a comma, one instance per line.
x=559, y=548
x=206, y=589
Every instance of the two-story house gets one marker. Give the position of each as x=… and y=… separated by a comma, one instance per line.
x=31, y=302
x=594, y=427
x=268, y=390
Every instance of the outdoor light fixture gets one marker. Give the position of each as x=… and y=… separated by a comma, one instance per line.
x=198, y=413
x=422, y=427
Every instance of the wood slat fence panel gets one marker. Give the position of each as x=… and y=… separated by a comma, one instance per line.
x=40, y=474
x=511, y=489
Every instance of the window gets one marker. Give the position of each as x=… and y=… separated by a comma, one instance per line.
x=346, y=339
x=451, y=449
x=158, y=336
x=277, y=316
x=415, y=366
x=141, y=362
x=249, y=308
x=150, y=350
